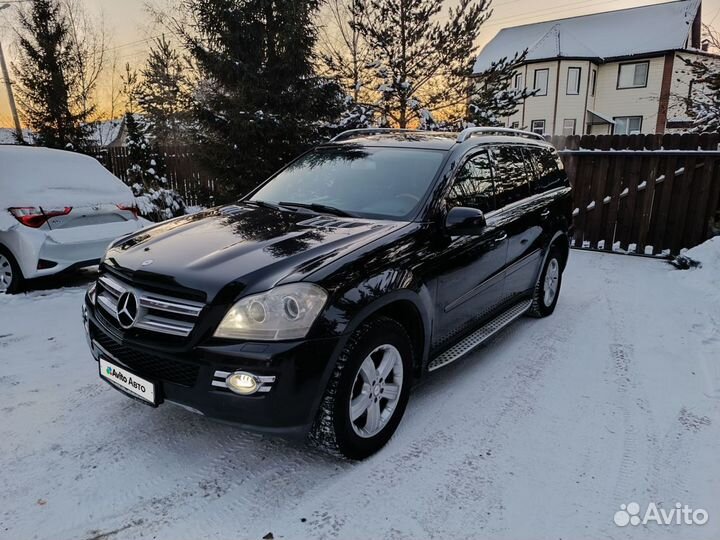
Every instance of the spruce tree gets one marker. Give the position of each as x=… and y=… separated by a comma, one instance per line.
x=423, y=55
x=259, y=102
x=146, y=174
x=494, y=97
x=49, y=88
x=163, y=96
x=703, y=102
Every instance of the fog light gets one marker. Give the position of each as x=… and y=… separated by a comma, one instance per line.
x=242, y=383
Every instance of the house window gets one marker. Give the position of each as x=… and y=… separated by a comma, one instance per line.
x=633, y=75
x=518, y=81
x=593, y=82
x=515, y=125
x=538, y=126
x=541, y=81
x=627, y=125
x=569, y=125
x=573, y=81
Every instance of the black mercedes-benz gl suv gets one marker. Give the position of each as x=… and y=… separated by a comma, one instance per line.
x=313, y=304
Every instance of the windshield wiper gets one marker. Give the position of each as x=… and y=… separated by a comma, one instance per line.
x=265, y=204
x=321, y=208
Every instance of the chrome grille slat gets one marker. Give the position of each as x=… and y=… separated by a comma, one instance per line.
x=152, y=308
x=171, y=306
x=157, y=324
x=112, y=286
x=107, y=304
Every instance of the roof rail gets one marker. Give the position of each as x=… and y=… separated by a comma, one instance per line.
x=352, y=133
x=469, y=132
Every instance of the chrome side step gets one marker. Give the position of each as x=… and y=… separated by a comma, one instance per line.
x=480, y=335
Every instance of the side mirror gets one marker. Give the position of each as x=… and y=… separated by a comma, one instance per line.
x=461, y=221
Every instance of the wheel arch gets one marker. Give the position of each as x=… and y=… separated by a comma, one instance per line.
x=408, y=308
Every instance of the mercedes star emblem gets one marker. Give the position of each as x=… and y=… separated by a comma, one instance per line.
x=127, y=310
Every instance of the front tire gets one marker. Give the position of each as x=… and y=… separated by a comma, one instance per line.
x=368, y=391
x=11, y=278
x=547, y=289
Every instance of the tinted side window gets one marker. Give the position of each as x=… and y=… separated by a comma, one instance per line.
x=511, y=175
x=548, y=170
x=473, y=186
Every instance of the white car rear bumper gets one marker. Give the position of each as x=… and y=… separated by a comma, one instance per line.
x=65, y=247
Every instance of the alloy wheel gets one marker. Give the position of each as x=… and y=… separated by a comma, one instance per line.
x=6, y=273
x=376, y=391
x=552, y=278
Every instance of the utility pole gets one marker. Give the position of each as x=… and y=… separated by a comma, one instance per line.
x=8, y=86
x=11, y=98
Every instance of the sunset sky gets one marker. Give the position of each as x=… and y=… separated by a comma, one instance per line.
x=130, y=28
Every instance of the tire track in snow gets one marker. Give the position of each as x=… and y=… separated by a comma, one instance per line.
x=466, y=483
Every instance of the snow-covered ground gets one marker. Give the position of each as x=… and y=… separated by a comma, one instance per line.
x=542, y=434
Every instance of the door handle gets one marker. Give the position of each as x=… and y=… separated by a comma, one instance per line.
x=545, y=214
x=500, y=238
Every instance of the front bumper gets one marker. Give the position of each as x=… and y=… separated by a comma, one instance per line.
x=190, y=378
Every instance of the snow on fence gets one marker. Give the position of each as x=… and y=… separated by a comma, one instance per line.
x=647, y=194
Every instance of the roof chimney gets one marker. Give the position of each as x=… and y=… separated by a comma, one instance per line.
x=696, y=36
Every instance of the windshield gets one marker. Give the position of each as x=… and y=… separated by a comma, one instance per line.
x=364, y=182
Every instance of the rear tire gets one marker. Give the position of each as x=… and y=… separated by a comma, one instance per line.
x=547, y=289
x=11, y=278
x=368, y=391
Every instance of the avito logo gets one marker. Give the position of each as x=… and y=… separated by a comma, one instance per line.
x=630, y=514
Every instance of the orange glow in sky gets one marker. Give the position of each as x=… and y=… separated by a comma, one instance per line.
x=130, y=28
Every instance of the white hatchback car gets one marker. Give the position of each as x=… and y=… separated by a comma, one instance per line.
x=58, y=211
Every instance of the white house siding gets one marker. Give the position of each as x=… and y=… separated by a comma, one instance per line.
x=569, y=106
x=541, y=107
x=613, y=102
x=609, y=101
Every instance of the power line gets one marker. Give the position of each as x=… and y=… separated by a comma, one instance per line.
x=556, y=9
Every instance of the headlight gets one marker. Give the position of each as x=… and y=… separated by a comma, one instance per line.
x=286, y=312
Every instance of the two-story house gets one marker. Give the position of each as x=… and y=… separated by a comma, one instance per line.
x=618, y=72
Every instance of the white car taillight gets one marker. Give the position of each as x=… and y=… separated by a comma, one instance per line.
x=32, y=216
x=130, y=208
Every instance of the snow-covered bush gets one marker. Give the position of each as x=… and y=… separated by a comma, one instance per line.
x=154, y=199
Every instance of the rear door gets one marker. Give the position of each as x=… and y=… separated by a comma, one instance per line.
x=470, y=282
x=518, y=215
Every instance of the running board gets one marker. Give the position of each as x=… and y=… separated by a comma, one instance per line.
x=481, y=335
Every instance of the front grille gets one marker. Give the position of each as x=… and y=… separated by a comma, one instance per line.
x=155, y=313
x=147, y=365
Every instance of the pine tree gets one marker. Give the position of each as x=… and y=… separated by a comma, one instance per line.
x=703, y=103
x=49, y=87
x=164, y=96
x=423, y=60
x=146, y=175
x=494, y=98
x=259, y=102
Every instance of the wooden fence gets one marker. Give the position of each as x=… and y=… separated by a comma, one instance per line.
x=182, y=169
x=647, y=194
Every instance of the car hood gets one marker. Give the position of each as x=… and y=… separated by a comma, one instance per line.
x=240, y=246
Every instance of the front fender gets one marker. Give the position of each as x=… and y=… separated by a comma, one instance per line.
x=349, y=307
